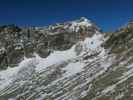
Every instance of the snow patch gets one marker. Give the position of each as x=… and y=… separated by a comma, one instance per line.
x=94, y=42
x=10, y=74
x=57, y=57
x=73, y=68
x=76, y=25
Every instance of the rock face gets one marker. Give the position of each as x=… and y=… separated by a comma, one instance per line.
x=116, y=83
x=17, y=43
x=69, y=61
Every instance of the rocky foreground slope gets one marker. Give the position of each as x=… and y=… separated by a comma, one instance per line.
x=68, y=61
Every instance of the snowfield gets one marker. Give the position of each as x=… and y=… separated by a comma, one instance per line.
x=66, y=66
x=55, y=58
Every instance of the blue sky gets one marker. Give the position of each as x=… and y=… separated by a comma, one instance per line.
x=108, y=14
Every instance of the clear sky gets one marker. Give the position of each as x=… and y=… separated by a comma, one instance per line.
x=108, y=14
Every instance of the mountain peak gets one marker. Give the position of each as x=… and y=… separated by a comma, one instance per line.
x=84, y=19
x=82, y=22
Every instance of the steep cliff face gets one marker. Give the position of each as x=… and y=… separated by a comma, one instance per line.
x=68, y=61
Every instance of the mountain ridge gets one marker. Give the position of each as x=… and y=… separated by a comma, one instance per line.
x=41, y=40
x=80, y=63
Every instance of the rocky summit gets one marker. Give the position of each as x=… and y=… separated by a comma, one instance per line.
x=73, y=60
